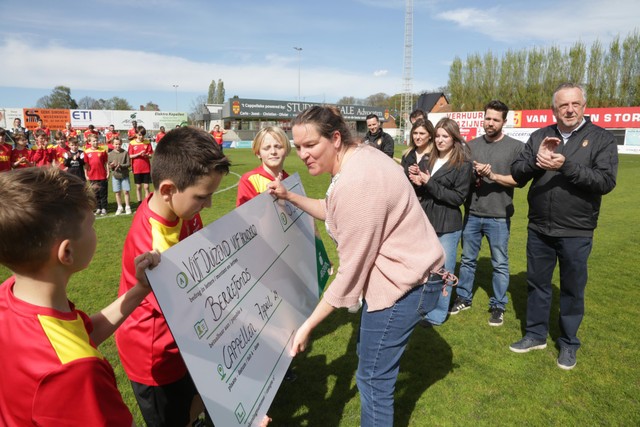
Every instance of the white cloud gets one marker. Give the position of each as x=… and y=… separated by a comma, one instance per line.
x=129, y=70
x=559, y=23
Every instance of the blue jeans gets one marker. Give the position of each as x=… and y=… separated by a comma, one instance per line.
x=497, y=232
x=382, y=338
x=449, y=242
x=542, y=253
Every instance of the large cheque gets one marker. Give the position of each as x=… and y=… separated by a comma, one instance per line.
x=233, y=295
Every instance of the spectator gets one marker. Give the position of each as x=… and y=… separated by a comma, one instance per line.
x=74, y=160
x=41, y=154
x=69, y=131
x=489, y=210
x=97, y=173
x=110, y=135
x=20, y=154
x=416, y=115
x=42, y=127
x=572, y=164
x=119, y=163
x=19, y=129
x=160, y=134
x=140, y=152
x=5, y=152
x=133, y=130
x=377, y=137
x=442, y=188
x=218, y=134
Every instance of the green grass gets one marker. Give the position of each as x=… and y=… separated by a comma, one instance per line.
x=461, y=373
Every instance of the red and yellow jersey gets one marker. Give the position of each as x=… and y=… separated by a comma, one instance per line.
x=140, y=164
x=147, y=350
x=22, y=156
x=52, y=373
x=59, y=153
x=96, y=160
x=5, y=157
x=41, y=156
x=253, y=183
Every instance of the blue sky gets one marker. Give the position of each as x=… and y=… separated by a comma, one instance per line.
x=139, y=49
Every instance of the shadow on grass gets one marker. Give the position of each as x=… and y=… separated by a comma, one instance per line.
x=324, y=388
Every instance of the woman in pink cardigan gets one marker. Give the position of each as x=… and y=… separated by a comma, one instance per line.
x=389, y=253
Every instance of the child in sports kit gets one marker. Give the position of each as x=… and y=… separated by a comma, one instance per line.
x=41, y=154
x=119, y=164
x=5, y=152
x=74, y=159
x=59, y=149
x=20, y=154
x=97, y=172
x=187, y=169
x=52, y=371
x=140, y=151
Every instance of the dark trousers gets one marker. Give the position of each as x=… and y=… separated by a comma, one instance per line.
x=100, y=189
x=572, y=254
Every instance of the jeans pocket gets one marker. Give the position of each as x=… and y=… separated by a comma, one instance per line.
x=431, y=292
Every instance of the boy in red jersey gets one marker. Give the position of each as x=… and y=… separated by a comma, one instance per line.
x=41, y=154
x=5, y=152
x=97, y=171
x=110, y=135
x=187, y=169
x=52, y=371
x=60, y=149
x=140, y=152
x=20, y=154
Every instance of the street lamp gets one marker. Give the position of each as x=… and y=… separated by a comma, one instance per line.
x=299, y=49
x=176, y=87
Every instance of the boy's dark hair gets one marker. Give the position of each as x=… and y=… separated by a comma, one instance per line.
x=417, y=114
x=40, y=132
x=39, y=207
x=184, y=155
x=3, y=132
x=141, y=130
x=372, y=116
x=497, y=106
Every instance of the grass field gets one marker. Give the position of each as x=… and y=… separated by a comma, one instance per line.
x=461, y=373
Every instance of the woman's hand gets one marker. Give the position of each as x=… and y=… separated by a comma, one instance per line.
x=301, y=339
x=277, y=190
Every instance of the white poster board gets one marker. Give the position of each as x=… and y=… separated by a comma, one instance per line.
x=233, y=295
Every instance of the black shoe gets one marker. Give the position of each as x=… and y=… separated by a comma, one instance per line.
x=497, y=316
x=527, y=344
x=459, y=305
x=567, y=358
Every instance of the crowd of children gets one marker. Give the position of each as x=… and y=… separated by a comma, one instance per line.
x=98, y=162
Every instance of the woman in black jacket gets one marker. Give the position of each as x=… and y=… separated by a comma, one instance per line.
x=442, y=188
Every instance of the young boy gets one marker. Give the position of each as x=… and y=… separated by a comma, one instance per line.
x=187, y=169
x=119, y=165
x=52, y=371
x=97, y=172
x=5, y=152
x=74, y=160
x=140, y=152
x=20, y=154
x=60, y=149
x=41, y=154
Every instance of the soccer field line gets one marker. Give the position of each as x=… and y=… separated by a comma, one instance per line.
x=231, y=187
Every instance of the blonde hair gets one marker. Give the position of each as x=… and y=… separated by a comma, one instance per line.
x=277, y=134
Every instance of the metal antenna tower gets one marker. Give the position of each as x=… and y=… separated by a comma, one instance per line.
x=406, y=99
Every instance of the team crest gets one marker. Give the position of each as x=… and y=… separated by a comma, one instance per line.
x=585, y=143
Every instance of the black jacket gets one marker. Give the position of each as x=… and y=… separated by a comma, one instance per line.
x=381, y=140
x=566, y=203
x=443, y=195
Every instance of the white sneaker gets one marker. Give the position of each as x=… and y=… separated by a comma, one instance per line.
x=104, y=212
x=119, y=211
x=128, y=210
x=97, y=212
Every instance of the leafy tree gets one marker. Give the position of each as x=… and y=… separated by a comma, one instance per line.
x=198, y=107
x=377, y=100
x=219, y=98
x=117, y=103
x=211, y=96
x=577, y=62
x=151, y=106
x=89, y=103
x=60, y=97
x=594, y=74
x=349, y=100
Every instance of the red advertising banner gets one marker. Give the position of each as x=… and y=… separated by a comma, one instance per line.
x=608, y=118
x=53, y=119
